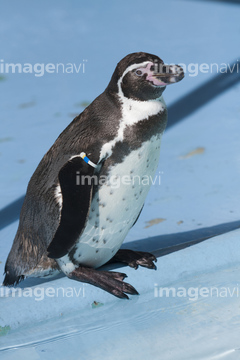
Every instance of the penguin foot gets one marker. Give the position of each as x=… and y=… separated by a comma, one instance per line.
x=135, y=258
x=109, y=281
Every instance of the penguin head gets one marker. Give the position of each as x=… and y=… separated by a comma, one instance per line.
x=142, y=76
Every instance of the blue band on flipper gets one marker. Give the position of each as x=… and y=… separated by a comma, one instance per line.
x=87, y=160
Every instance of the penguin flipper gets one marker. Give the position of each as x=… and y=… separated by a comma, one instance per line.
x=76, y=183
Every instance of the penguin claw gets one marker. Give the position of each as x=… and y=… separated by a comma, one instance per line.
x=135, y=258
x=109, y=281
x=128, y=289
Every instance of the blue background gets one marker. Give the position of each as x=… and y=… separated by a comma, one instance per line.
x=200, y=165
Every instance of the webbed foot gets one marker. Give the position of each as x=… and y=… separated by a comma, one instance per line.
x=109, y=281
x=135, y=258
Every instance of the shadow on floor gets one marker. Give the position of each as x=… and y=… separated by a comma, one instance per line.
x=158, y=245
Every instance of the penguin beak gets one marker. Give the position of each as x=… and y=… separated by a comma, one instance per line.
x=167, y=74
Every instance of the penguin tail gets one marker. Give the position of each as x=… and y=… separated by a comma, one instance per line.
x=11, y=275
x=11, y=280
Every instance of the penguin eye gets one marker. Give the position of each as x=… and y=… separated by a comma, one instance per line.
x=138, y=72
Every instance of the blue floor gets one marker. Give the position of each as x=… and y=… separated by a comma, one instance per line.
x=191, y=216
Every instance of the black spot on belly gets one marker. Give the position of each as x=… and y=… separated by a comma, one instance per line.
x=97, y=251
x=104, y=241
x=136, y=197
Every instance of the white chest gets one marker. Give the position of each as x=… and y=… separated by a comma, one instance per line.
x=117, y=204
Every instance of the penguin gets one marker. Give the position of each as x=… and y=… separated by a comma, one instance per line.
x=87, y=192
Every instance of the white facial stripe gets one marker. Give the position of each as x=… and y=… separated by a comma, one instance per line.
x=134, y=66
x=130, y=68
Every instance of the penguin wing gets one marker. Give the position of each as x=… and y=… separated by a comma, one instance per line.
x=76, y=183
